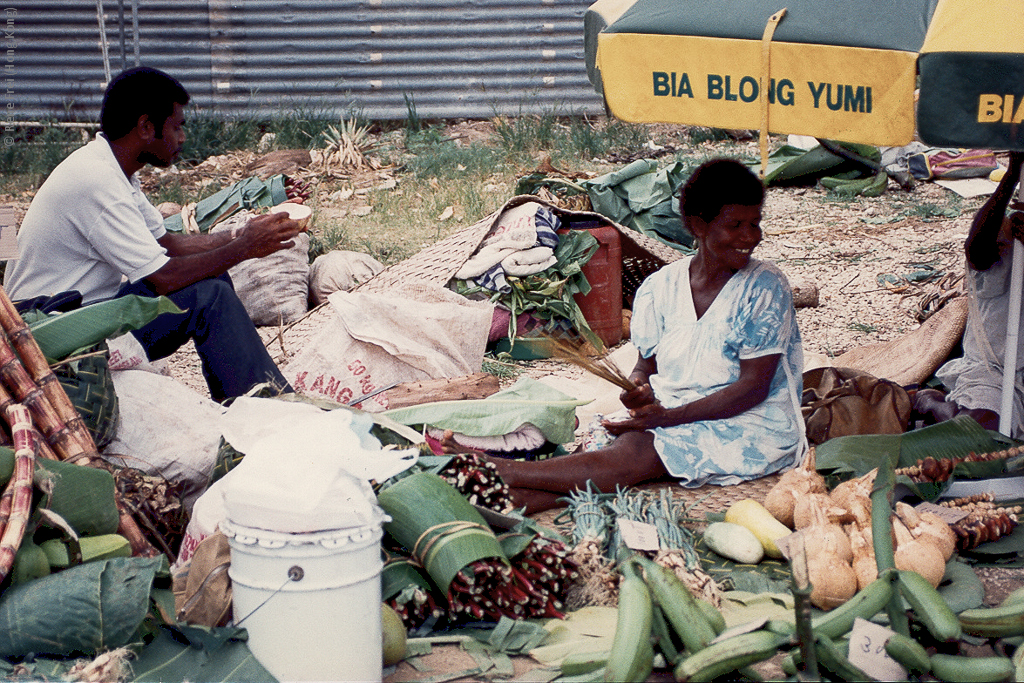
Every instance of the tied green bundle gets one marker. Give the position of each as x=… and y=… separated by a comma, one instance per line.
x=442, y=530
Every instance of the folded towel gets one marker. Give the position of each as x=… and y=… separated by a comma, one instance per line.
x=529, y=261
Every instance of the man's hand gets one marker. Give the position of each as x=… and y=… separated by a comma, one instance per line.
x=269, y=233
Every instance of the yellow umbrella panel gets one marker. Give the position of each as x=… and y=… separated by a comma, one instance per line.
x=842, y=93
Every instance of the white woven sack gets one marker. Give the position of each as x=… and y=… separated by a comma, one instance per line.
x=274, y=289
x=340, y=271
x=166, y=429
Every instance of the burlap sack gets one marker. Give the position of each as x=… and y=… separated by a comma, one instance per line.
x=844, y=401
x=202, y=591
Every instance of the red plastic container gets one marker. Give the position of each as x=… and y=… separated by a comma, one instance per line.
x=602, y=307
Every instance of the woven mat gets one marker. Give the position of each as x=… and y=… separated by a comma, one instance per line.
x=438, y=263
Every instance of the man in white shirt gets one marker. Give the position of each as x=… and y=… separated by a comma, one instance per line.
x=90, y=229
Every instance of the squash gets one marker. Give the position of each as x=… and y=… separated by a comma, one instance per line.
x=752, y=515
x=734, y=542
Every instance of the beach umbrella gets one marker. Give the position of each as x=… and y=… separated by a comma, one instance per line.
x=837, y=70
x=872, y=72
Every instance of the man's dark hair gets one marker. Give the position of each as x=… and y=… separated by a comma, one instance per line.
x=717, y=183
x=138, y=91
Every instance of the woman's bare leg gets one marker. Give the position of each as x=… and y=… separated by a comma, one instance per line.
x=630, y=459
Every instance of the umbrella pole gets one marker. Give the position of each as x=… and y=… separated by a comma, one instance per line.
x=1012, y=333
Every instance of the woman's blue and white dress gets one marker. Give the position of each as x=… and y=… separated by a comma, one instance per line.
x=752, y=316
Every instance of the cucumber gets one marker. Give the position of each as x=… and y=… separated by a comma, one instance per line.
x=734, y=542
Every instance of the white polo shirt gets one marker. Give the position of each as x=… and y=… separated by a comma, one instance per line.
x=87, y=229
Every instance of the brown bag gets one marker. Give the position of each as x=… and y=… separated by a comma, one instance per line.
x=844, y=401
x=203, y=595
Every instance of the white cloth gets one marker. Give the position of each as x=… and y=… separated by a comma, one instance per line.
x=515, y=230
x=753, y=316
x=87, y=228
x=975, y=380
x=526, y=437
x=529, y=261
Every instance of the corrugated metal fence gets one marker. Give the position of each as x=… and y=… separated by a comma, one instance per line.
x=448, y=58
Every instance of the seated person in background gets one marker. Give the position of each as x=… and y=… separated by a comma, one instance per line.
x=975, y=380
x=720, y=370
x=90, y=229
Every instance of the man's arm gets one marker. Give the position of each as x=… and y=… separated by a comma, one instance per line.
x=198, y=257
x=981, y=245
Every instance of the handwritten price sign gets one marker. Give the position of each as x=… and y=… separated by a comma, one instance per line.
x=867, y=652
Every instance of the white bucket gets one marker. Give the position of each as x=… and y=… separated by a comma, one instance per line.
x=310, y=601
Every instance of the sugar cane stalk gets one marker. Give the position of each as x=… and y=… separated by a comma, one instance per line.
x=51, y=407
x=43, y=449
x=35, y=363
x=19, y=488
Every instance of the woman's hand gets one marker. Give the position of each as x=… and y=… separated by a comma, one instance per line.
x=641, y=396
x=642, y=418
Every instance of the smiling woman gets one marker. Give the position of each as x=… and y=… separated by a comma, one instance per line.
x=719, y=374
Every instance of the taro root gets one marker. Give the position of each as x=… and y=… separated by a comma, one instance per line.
x=791, y=486
x=927, y=526
x=864, y=564
x=918, y=554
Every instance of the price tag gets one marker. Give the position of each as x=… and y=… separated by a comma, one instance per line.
x=867, y=651
x=948, y=515
x=638, y=535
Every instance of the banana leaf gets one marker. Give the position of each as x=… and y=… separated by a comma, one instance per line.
x=852, y=456
x=245, y=194
x=196, y=653
x=86, y=609
x=60, y=336
x=83, y=496
x=431, y=518
x=528, y=400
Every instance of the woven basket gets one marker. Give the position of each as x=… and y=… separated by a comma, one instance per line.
x=90, y=387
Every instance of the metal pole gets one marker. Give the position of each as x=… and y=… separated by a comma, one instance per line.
x=103, y=41
x=124, y=37
x=135, y=31
x=1012, y=333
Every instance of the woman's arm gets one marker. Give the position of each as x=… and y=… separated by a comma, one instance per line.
x=749, y=390
x=641, y=377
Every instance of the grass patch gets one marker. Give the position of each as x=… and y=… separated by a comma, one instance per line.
x=30, y=153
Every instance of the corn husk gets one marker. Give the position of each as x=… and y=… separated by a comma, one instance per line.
x=441, y=529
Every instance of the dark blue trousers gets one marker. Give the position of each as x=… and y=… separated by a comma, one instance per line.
x=233, y=356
